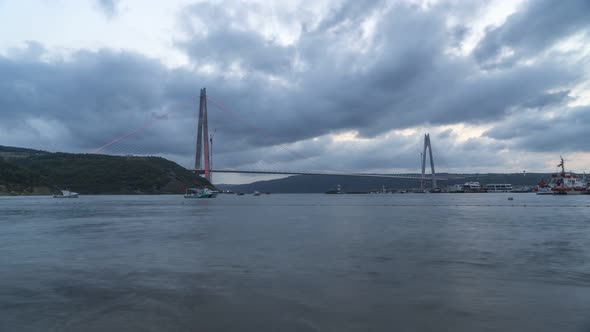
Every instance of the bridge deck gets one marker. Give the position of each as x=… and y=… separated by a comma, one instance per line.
x=376, y=175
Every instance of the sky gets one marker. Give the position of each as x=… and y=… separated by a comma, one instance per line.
x=325, y=85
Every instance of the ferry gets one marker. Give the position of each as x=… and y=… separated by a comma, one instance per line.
x=563, y=183
x=498, y=188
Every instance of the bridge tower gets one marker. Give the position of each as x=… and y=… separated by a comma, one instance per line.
x=203, y=154
x=429, y=147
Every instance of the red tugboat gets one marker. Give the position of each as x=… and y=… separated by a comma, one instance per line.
x=563, y=183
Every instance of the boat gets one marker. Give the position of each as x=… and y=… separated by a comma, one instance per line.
x=522, y=189
x=66, y=194
x=338, y=190
x=543, y=188
x=456, y=188
x=380, y=191
x=473, y=187
x=566, y=183
x=256, y=193
x=498, y=188
x=435, y=190
x=200, y=193
x=240, y=194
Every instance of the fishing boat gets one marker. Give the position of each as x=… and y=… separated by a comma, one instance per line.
x=66, y=194
x=563, y=183
x=200, y=193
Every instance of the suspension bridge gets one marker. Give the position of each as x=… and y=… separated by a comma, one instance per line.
x=203, y=157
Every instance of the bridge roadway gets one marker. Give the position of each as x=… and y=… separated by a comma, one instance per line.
x=374, y=175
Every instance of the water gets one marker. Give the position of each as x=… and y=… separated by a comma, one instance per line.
x=413, y=262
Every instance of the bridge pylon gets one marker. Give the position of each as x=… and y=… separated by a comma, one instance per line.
x=429, y=147
x=203, y=154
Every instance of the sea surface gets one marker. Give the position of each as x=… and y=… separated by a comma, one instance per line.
x=393, y=262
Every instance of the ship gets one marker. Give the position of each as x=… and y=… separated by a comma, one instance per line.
x=563, y=183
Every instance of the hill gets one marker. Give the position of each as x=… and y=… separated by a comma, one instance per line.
x=11, y=152
x=40, y=172
x=322, y=183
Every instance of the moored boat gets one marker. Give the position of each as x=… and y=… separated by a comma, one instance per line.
x=563, y=183
x=473, y=187
x=498, y=188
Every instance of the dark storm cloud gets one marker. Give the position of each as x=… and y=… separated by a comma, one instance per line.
x=537, y=26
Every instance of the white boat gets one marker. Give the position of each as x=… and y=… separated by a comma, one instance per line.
x=338, y=190
x=498, y=188
x=256, y=193
x=66, y=194
x=456, y=188
x=200, y=193
x=543, y=189
x=472, y=187
x=563, y=183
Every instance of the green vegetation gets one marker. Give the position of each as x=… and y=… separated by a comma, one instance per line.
x=96, y=174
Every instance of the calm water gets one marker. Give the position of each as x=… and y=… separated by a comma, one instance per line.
x=296, y=263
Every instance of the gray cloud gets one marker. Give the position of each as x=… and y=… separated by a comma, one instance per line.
x=537, y=26
x=395, y=82
x=565, y=131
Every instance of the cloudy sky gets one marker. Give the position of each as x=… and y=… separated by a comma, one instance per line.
x=501, y=86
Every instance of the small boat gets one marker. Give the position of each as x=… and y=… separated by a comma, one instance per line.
x=338, y=190
x=200, y=193
x=256, y=193
x=240, y=194
x=66, y=194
